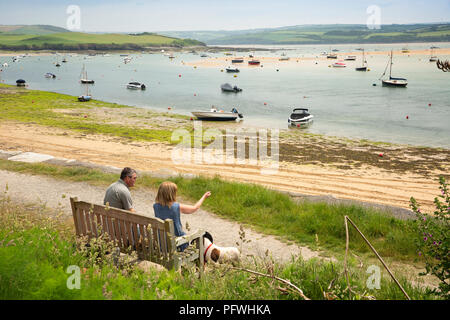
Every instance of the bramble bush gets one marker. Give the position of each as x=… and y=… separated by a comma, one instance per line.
x=433, y=241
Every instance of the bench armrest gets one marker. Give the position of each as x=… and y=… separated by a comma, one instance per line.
x=189, y=237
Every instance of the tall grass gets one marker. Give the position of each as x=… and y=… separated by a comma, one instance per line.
x=35, y=252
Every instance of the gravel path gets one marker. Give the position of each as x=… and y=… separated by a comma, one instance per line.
x=43, y=190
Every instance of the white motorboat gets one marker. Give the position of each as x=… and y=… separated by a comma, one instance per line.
x=232, y=69
x=300, y=118
x=350, y=58
x=218, y=115
x=136, y=86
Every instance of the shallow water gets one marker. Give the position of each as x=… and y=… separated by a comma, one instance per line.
x=343, y=101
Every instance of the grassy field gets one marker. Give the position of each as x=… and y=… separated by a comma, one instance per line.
x=78, y=40
x=35, y=253
x=326, y=34
x=41, y=107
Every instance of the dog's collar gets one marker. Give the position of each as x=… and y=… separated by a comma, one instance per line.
x=204, y=255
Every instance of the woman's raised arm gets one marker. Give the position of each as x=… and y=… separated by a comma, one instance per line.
x=188, y=209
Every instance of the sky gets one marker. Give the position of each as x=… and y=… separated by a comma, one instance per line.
x=190, y=15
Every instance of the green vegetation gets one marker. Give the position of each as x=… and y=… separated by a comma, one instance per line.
x=318, y=225
x=26, y=40
x=35, y=253
x=41, y=107
x=434, y=242
x=325, y=34
x=31, y=29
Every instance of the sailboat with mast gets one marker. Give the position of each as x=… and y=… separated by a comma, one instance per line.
x=364, y=63
x=86, y=97
x=84, y=77
x=393, y=82
x=433, y=58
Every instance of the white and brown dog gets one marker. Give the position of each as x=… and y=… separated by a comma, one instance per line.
x=219, y=254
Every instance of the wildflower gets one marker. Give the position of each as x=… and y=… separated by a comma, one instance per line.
x=425, y=239
x=420, y=253
x=424, y=219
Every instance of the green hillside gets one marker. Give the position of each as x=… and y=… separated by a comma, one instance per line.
x=324, y=34
x=31, y=29
x=85, y=41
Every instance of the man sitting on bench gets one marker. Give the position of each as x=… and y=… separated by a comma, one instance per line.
x=118, y=194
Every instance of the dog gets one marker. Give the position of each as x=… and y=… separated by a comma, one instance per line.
x=218, y=254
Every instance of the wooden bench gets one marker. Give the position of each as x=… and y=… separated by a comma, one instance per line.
x=153, y=239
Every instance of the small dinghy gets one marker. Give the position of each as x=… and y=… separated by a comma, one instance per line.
x=300, y=118
x=237, y=60
x=226, y=87
x=339, y=65
x=50, y=75
x=136, y=86
x=216, y=115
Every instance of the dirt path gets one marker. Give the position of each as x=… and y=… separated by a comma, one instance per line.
x=43, y=190
x=366, y=183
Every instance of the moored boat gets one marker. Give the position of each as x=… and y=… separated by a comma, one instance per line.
x=232, y=69
x=364, y=63
x=253, y=62
x=21, y=83
x=226, y=87
x=391, y=81
x=216, y=115
x=50, y=75
x=237, y=60
x=300, y=118
x=339, y=65
x=136, y=86
x=84, y=77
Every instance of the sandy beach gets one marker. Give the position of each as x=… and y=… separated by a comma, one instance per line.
x=401, y=173
x=221, y=62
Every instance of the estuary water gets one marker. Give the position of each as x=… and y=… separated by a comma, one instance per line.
x=344, y=102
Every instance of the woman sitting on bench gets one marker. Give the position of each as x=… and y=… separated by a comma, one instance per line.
x=166, y=207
